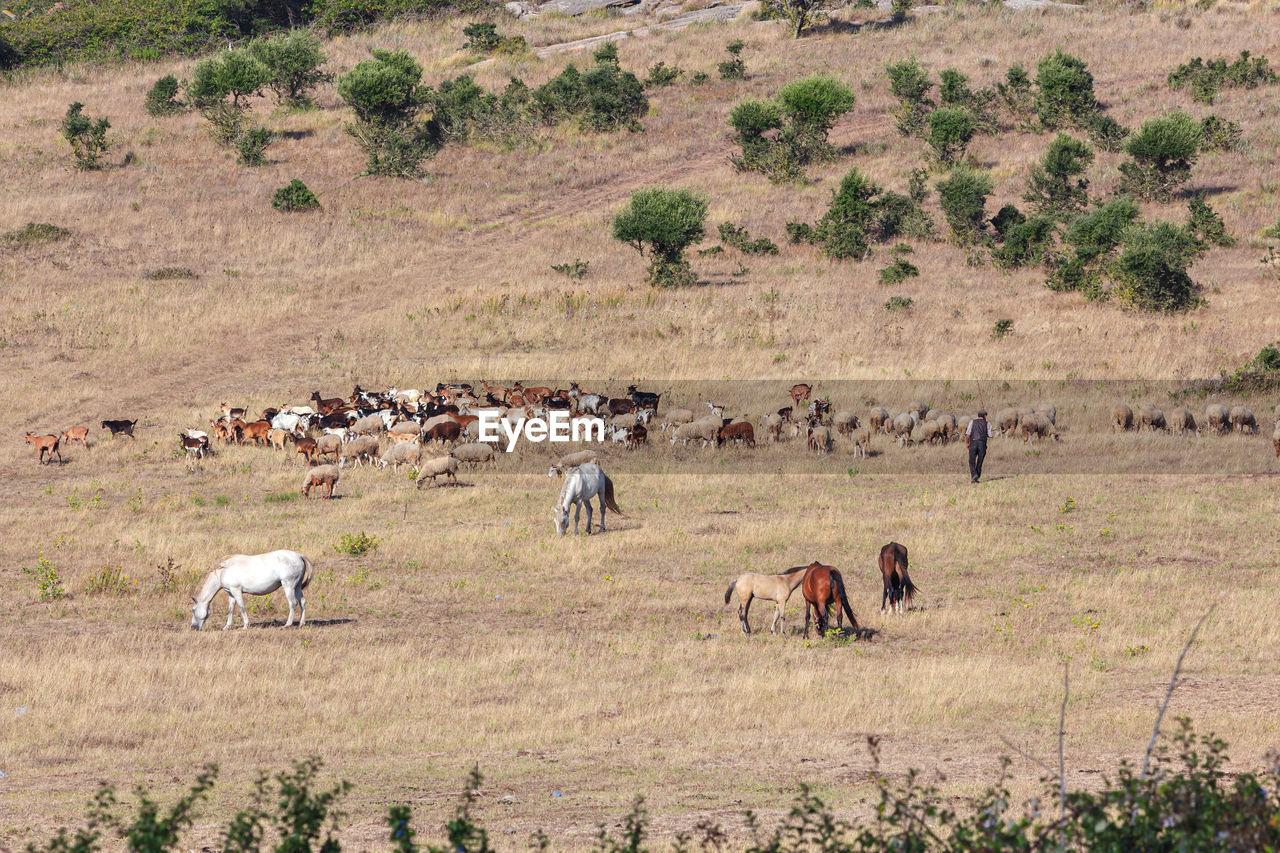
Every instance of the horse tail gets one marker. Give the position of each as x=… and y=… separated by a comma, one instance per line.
x=909, y=589
x=728, y=593
x=608, y=496
x=838, y=580
x=308, y=571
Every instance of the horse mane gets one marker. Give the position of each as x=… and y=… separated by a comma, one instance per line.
x=572, y=477
x=792, y=571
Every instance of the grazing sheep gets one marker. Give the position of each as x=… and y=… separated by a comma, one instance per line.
x=706, y=429
x=1006, y=422
x=406, y=453
x=962, y=425
x=328, y=445
x=946, y=425
x=773, y=427
x=369, y=425
x=323, y=475
x=435, y=420
x=1049, y=410
x=1242, y=420
x=405, y=428
x=364, y=447
x=861, y=438
x=1039, y=426
x=845, y=422
x=432, y=468
x=819, y=438
x=1182, y=422
x=675, y=417
x=1121, y=418
x=920, y=408
x=737, y=431
x=901, y=427
x=573, y=460
x=1151, y=418
x=1023, y=411
x=877, y=418
x=1275, y=438
x=1217, y=418
x=474, y=453
x=928, y=432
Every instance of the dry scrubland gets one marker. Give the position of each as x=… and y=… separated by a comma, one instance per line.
x=601, y=667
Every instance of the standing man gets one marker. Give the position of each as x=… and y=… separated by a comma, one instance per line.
x=975, y=438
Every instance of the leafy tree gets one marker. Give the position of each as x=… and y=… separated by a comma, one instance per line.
x=293, y=61
x=802, y=115
x=1163, y=151
x=1151, y=272
x=162, y=98
x=802, y=13
x=1054, y=187
x=387, y=94
x=220, y=88
x=88, y=138
x=909, y=83
x=950, y=131
x=1064, y=91
x=963, y=199
x=665, y=223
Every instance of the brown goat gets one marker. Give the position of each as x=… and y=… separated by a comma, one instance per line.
x=305, y=446
x=77, y=433
x=45, y=444
x=740, y=431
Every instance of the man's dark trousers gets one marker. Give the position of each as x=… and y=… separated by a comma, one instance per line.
x=977, y=452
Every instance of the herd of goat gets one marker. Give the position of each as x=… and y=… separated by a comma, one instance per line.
x=334, y=432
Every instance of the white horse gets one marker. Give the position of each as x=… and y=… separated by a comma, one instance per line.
x=260, y=574
x=580, y=486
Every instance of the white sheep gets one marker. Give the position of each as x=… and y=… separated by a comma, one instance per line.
x=433, y=468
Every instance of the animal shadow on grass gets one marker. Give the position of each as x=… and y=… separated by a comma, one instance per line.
x=295, y=134
x=1192, y=192
x=456, y=484
x=317, y=623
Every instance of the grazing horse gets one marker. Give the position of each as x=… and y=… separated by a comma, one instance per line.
x=823, y=586
x=898, y=588
x=776, y=588
x=580, y=486
x=260, y=574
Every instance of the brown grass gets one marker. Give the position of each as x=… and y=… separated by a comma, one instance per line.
x=603, y=667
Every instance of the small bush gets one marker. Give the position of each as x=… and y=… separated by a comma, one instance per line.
x=1064, y=91
x=662, y=75
x=899, y=271
x=1151, y=272
x=1205, y=79
x=738, y=238
x=909, y=83
x=802, y=115
x=110, y=580
x=220, y=88
x=1016, y=94
x=950, y=131
x=356, y=544
x=1055, y=188
x=1106, y=133
x=34, y=233
x=963, y=198
x=578, y=269
x=603, y=98
x=1218, y=134
x=292, y=61
x=665, y=223
x=699, y=78
x=162, y=98
x=897, y=303
x=1025, y=243
x=1002, y=329
x=1163, y=151
x=898, y=10
x=733, y=68
x=294, y=196
x=1206, y=224
x=252, y=146
x=386, y=93
x=88, y=138
x=48, y=583
x=169, y=274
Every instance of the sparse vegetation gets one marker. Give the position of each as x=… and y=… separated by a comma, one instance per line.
x=48, y=582
x=1002, y=329
x=356, y=544
x=740, y=239
x=169, y=274
x=88, y=138
x=34, y=233
x=898, y=303
x=577, y=269
x=483, y=38
x=1205, y=79
x=294, y=196
x=1218, y=134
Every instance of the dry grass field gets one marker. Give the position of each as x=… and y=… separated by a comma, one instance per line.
x=609, y=666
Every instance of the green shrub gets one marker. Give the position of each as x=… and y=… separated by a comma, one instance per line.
x=1002, y=329
x=898, y=271
x=169, y=274
x=1106, y=133
x=88, y=138
x=1025, y=243
x=1206, y=224
x=665, y=223
x=483, y=38
x=954, y=91
x=738, y=238
x=1064, y=91
x=909, y=83
x=733, y=68
x=1055, y=188
x=1205, y=79
x=963, y=199
x=294, y=196
x=604, y=98
x=898, y=10
x=251, y=147
x=950, y=131
x=896, y=303
x=1163, y=151
x=48, y=583
x=292, y=61
x=162, y=98
x=387, y=94
x=220, y=88
x=356, y=544
x=36, y=232
x=662, y=75
x=578, y=269
x=1151, y=272
x=699, y=78
x=1218, y=134
x=1016, y=94
x=802, y=113
x=860, y=214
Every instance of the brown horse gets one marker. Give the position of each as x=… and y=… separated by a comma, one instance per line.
x=776, y=588
x=898, y=588
x=823, y=586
